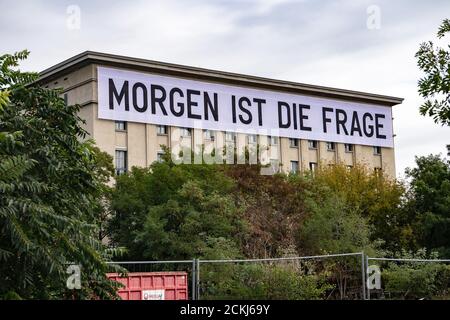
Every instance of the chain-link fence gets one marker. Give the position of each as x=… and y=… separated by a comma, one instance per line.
x=392, y=278
x=334, y=276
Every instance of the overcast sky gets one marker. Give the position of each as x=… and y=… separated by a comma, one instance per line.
x=340, y=44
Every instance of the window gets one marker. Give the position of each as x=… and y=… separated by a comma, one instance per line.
x=230, y=136
x=160, y=156
x=275, y=165
x=273, y=141
x=121, y=126
x=121, y=162
x=348, y=147
x=161, y=130
x=252, y=138
x=294, y=166
x=312, y=144
x=313, y=166
x=185, y=132
x=209, y=134
x=330, y=146
x=293, y=143
x=66, y=99
x=377, y=151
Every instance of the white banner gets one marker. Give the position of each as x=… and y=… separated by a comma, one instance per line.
x=148, y=98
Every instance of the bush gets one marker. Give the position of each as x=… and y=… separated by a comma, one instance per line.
x=262, y=282
x=419, y=281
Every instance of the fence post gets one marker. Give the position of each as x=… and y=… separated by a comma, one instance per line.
x=367, y=267
x=363, y=275
x=194, y=283
x=197, y=279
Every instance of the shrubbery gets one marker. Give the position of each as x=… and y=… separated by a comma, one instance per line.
x=262, y=281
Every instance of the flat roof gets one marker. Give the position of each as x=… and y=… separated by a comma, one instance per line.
x=92, y=57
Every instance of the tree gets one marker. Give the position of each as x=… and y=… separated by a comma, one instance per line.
x=49, y=188
x=382, y=201
x=273, y=207
x=334, y=227
x=170, y=211
x=430, y=186
x=435, y=85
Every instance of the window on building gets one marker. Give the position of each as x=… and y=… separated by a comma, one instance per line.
x=377, y=151
x=293, y=143
x=209, y=134
x=185, y=132
x=275, y=165
x=294, y=166
x=121, y=125
x=66, y=99
x=252, y=138
x=312, y=144
x=121, y=162
x=160, y=156
x=161, y=130
x=230, y=136
x=348, y=147
x=273, y=141
x=313, y=166
x=331, y=146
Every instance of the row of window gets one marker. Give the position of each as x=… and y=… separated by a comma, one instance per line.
x=313, y=167
x=295, y=166
x=253, y=138
x=121, y=163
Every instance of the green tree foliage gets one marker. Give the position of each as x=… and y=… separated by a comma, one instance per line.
x=430, y=188
x=173, y=211
x=383, y=202
x=334, y=227
x=49, y=185
x=435, y=85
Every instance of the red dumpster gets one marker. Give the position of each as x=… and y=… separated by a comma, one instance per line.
x=152, y=285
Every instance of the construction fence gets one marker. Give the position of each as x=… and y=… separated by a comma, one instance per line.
x=346, y=276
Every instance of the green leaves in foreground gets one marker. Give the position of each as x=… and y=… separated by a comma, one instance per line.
x=48, y=189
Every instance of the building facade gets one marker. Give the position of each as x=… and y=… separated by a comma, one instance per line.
x=134, y=143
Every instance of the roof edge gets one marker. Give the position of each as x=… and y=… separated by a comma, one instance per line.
x=87, y=57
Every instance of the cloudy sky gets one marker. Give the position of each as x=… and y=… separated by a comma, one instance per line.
x=359, y=45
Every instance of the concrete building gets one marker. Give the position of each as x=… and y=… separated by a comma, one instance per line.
x=139, y=144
